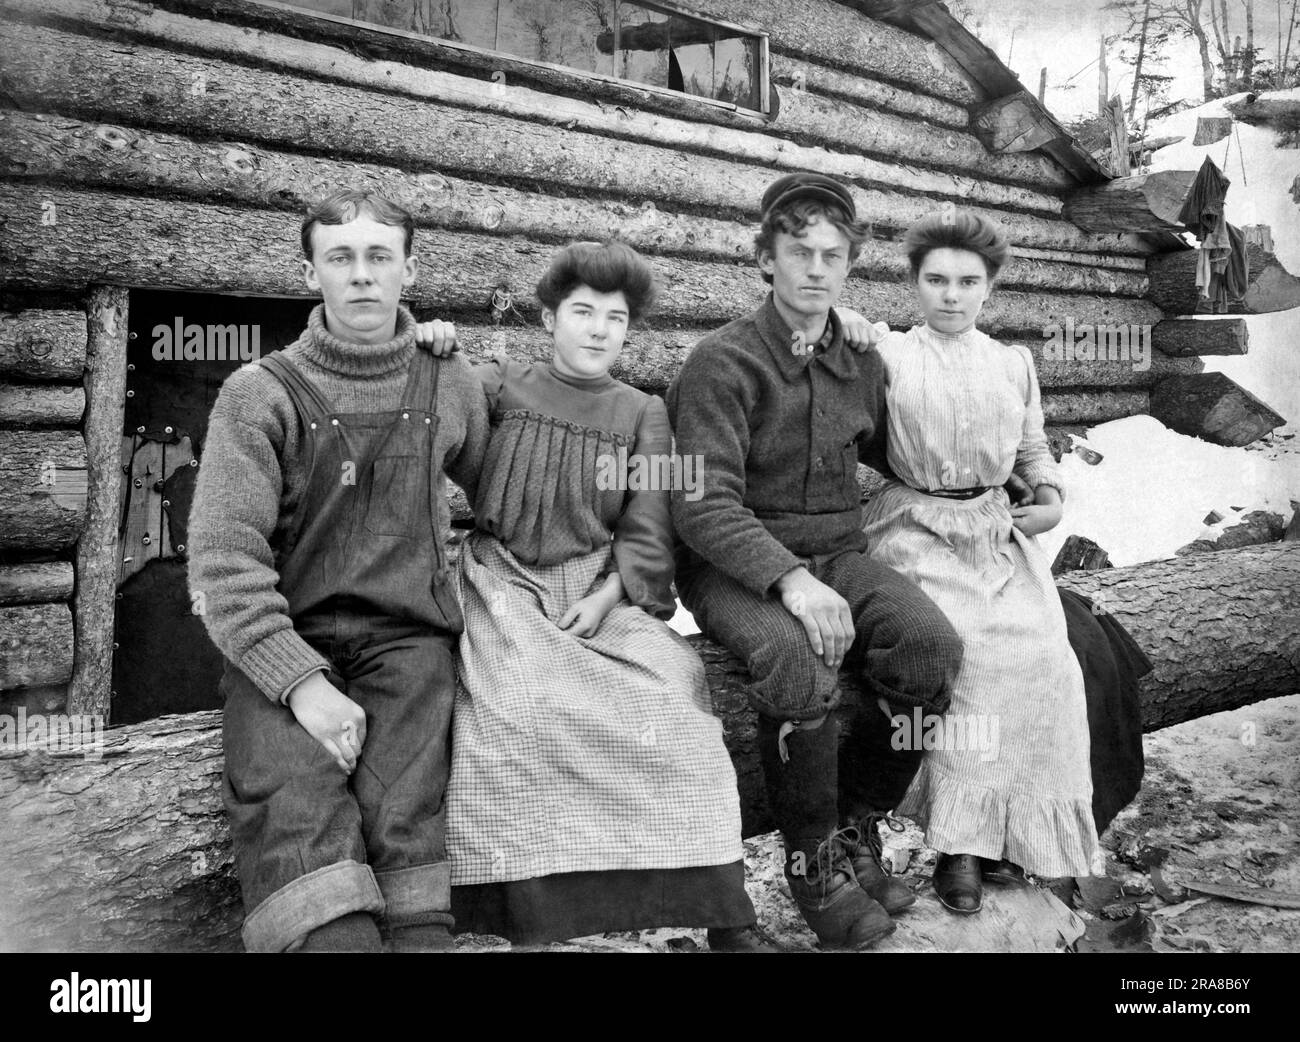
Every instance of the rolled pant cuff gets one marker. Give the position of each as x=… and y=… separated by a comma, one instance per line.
x=417, y=896
x=937, y=703
x=313, y=900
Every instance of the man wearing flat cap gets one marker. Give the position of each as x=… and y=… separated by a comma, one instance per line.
x=781, y=409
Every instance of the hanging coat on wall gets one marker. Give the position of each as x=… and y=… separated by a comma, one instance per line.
x=1221, y=267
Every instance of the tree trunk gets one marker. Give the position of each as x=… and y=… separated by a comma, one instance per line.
x=1214, y=408
x=130, y=851
x=1271, y=286
x=112, y=239
x=1185, y=337
x=111, y=157
x=37, y=645
x=42, y=489
x=42, y=345
x=1144, y=203
x=35, y=583
x=41, y=405
x=98, y=550
x=1093, y=406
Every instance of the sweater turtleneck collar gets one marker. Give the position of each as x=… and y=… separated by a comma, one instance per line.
x=364, y=360
x=582, y=383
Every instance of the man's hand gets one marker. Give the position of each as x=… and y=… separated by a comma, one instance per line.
x=1044, y=514
x=824, y=613
x=438, y=337
x=329, y=716
x=585, y=615
x=860, y=334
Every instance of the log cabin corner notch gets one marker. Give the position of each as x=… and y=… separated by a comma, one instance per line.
x=164, y=170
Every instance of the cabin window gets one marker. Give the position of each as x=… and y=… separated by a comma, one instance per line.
x=647, y=43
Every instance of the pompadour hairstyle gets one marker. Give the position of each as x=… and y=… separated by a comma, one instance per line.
x=604, y=266
x=956, y=229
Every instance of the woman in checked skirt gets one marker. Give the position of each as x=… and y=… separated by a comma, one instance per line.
x=590, y=787
x=964, y=413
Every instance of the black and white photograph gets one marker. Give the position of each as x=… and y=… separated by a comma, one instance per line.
x=609, y=476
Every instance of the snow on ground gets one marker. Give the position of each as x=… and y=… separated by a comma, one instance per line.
x=1153, y=488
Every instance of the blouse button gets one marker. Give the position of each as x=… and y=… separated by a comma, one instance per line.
x=313, y=424
x=335, y=422
x=406, y=415
x=427, y=420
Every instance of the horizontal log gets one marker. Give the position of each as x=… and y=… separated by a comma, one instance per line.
x=1271, y=286
x=35, y=583
x=1220, y=628
x=1143, y=203
x=37, y=645
x=42, y=489
x=110, y=239
x=791, y=73
x=1184, y=337
x=106, y=156
x=43, y=345
x=1213, y=407
x=125, y=84
x=1093, y=406
x=41, y=405
x=652, y=357
x=141, y=860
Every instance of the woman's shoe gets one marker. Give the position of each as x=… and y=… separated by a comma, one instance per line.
x=957, y=882
x=1001, y=873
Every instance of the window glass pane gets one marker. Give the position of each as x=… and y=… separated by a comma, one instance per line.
x=620, y=38
x=687, y=54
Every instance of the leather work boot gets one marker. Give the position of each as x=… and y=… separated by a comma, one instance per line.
x=838, y=910
x=866, y=855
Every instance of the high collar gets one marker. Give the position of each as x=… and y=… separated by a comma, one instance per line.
x=777, y=336
x=947, y=340
x=582, y=383
x=323, y=348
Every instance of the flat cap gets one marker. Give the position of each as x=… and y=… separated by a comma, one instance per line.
x=805, y=185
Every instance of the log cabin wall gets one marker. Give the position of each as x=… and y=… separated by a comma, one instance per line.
x=174, y=145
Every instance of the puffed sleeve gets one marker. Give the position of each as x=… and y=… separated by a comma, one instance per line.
x=1034, y=461
x=643, y=538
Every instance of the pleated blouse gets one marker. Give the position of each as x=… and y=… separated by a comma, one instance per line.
x=552, y=485
x=964, y=410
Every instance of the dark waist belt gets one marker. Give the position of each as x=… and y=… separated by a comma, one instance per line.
x=956, y=493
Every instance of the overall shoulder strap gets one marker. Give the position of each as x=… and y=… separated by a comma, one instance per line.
x=307, y=398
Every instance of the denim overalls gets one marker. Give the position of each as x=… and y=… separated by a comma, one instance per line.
x=363, y=569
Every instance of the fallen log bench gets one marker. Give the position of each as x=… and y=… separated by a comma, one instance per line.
x=130, y=851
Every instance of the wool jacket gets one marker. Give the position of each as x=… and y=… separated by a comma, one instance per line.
x=780, y=435
x=253, y=473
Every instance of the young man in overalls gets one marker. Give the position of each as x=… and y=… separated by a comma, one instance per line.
x=316, y=542
x=781, y=410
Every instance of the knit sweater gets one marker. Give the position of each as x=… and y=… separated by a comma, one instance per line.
x=554, y=485
x=253, y=473
x=780, y=435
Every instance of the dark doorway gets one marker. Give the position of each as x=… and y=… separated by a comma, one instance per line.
x=181, y=348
